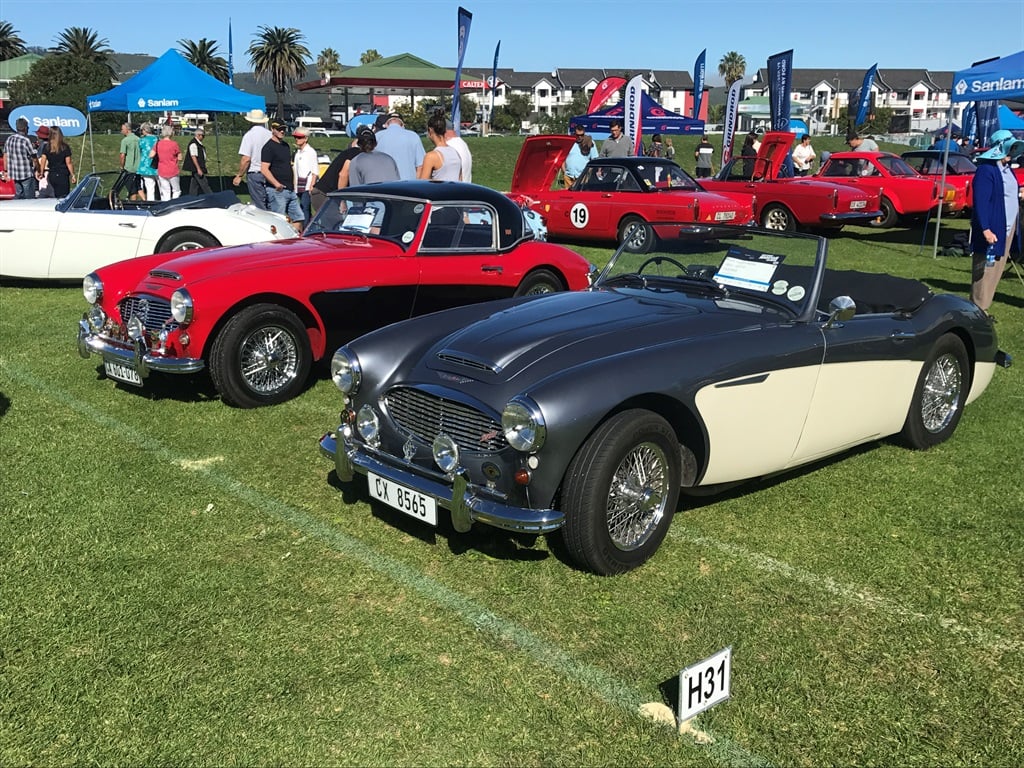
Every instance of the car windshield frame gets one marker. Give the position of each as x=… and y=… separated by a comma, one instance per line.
x=767, y=268
x=394, y=218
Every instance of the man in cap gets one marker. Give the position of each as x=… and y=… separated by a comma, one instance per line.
x=22, y=162
x=404, y=146
x=251, y=150
x=276, y=167
x=994, y=213
x=859, y=144
x=307, y=169
x=195, y=161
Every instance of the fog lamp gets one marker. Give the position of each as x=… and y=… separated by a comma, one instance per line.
x=97, y=317
x=446, y=453
x=136, y=330
x=368, y=425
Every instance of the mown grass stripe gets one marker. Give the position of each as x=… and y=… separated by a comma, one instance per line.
x=861, y=596
x=607, y=687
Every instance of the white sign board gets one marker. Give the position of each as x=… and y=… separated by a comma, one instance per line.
x=704, y=684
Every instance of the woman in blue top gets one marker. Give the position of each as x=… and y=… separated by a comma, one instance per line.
x=147, y=171
x=582, y=152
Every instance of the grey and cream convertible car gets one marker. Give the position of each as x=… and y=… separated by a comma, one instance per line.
x=723, y=355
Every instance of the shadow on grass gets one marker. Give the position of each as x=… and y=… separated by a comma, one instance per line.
x=5, y=404
x=191, y=388
x=492, y=542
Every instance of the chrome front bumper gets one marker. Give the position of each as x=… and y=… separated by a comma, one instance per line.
x=851, y=217
x=135, y=354
x=461, y=499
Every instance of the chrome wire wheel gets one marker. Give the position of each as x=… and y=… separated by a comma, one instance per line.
x=638, y=496
x=940, y=397
x=269, y=359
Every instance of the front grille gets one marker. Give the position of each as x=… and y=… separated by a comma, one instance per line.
x=426, y=416
x=153, y=312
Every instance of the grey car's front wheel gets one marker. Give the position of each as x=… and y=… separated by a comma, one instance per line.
x=262, y=356
x=939, y=396
x=621, y=492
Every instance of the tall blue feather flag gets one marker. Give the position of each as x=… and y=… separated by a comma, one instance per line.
x=864, y=96
x=698, y=83
x=465, y=19
x=494, y=80
x=780, y=78
x=231, y=59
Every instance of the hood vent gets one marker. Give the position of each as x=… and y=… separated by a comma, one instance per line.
x=166, y=274
x=457, y=358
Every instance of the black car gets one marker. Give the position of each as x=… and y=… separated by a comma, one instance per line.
x=723, y=355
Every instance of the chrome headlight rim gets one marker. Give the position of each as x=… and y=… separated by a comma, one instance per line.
x=346, y=372
x=92, y=288
x=523, y=424
x=368, y=424
x=446, y=453
x=182, y=306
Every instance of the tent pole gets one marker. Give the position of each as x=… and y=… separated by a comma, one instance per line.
x=220, y=167
x=942, y=183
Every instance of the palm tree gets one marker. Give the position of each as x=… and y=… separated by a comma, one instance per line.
x=370, y=54
x=327, y=63
x=732, y=67
x=83, y=43
x=11, y=45
x=204, y=56
x=278, y=54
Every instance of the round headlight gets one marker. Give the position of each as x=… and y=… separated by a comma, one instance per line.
x=92, y=288
x=136, y=330
x=368, y=424
x=523, y=424
x=446, y=453
x=345, y=371
x=181, y=306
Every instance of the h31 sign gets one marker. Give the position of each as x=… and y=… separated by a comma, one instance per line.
x=704, y=684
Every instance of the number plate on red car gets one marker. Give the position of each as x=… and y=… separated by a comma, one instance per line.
x=124, y=373
x=412, y=503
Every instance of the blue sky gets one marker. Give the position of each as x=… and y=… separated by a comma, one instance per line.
x=539, y=35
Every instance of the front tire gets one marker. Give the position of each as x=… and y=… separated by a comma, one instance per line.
x=778, y=218
x=939, y=396
x=538, y=283
x=621, y=492
x=261, y=357
x=188, y=240
x=636, y=235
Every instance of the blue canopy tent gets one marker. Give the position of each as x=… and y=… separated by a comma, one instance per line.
x=1010, y=121
x=655, y=119
x=989, y=81
x=172, y=83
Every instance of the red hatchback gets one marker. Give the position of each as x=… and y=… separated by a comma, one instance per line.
x=905, y=192
x=258, y=316
x=617, y=197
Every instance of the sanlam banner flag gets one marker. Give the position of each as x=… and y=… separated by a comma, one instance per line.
x=991, y=81
x=780, y=77
x=864, y=95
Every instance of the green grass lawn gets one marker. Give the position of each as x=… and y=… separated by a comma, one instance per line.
x=185, y=583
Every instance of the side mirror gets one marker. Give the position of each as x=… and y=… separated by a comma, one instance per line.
x=840, y=309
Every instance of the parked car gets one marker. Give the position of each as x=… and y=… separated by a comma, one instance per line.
x=96, y=225
x=258, y=316
x=905, y=193
x=785, y=203
x=959, y=169
x=724, y=355
x=6, y=184
x=616, y=196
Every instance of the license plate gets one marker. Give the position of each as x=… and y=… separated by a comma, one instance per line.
x=124, y=373
x=396, y=496
x=725, y=215
x=856, y=205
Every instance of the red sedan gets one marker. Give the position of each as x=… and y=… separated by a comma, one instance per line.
x=616, y=199
x=905, y=192
x=959, y=168
x=784, y=203
x=258, y=316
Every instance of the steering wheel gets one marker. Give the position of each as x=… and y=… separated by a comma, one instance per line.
x=655, y=260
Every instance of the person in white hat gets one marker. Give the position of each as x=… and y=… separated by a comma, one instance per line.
x=994, y=213
x=250, y=150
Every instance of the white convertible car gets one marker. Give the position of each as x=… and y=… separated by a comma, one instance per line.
x=96, y=225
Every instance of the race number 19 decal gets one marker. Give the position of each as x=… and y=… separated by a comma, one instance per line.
x=704, y=684
x=579, y=216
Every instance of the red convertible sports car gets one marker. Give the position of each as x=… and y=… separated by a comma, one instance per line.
x=905, y=192
x=959, y=168
x=258, y=316
x=616, y=197
x=784, y=203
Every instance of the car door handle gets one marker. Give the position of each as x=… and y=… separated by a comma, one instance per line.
x=127, y=224
x=902, y=335
x=489, y=268
x=606, y=194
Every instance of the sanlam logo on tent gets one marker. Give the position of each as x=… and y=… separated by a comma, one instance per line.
x=995, y=85
x=157, y=103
